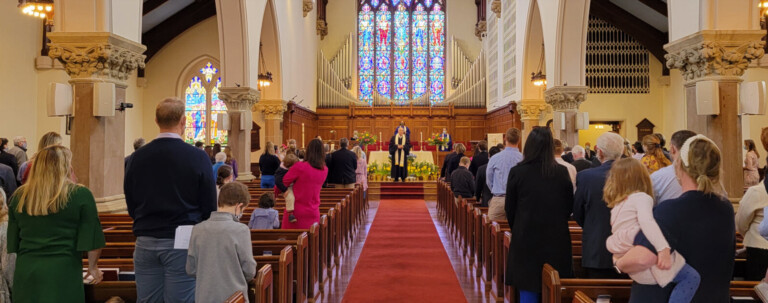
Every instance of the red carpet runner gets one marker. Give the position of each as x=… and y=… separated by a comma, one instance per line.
x=403, y=259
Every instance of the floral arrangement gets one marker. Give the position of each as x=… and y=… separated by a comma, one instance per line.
x=384, y=170
x=436, y=140
x=424, y=170
x=366, y=139
x=373, y=168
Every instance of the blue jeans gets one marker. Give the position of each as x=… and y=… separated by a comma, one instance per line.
x=161, y=272
x=267, y=181
x=687, y=283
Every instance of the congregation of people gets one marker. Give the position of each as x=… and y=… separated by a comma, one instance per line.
x=658, y=216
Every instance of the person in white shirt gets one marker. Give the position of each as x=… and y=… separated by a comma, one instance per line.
x=748, y=220
x=665, y=184
x=571, y=169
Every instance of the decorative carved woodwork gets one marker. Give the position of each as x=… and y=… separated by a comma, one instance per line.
x=644, y=128
x=255, y=138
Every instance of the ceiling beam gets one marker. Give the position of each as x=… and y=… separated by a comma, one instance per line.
x=150, y=5
x=656, y=5
x=650, y=37
x=164, y=32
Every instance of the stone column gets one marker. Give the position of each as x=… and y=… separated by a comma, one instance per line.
x=239, y=101
x=98, y=142
x=273, y=111
x=722, y=56
x=565, y=101
x=530, y=113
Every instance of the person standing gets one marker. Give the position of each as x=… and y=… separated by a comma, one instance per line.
x=538, y=205
x=221, y=157
x=462, y=181
x=268, y=165
x=231, y=161
x=446, y=160
x=48, y=139
x=168, y=184
x=498, y=170
x=480, y=157
x=307, y=178
x=9, y=160
x=453, y=162
x=558, y=146
x=399, y=148
x=751, y=175
x=51, y=222
x=579, y=162
x=19, y=150
x=220, y=256
x=361, y=173
x=343, y=166
x=138, y=143
x=664, y=180
x=591, y=212
x=748, y=218
x=482, y=192
x=654, y=158
x=448, y=142
x=7, y=260
x=699, y=225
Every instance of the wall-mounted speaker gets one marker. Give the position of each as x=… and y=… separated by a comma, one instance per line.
x=103, y=99
x=752, y=98
x=582, y=121
x=561, y=123
x=222, y=121
x=707, y=98
x=59, y=99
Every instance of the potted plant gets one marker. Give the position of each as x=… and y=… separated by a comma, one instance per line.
x=366, y=139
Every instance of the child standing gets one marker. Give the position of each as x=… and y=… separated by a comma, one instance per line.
x=265, y=217
x=628, y=191
x=288, y=161
x=220, y=256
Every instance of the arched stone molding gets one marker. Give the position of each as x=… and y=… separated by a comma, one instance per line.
x=270, y=47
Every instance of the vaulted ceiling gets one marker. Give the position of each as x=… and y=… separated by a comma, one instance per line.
x=646, y=20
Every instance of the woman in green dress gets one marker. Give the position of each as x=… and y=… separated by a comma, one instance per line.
x=51, y=222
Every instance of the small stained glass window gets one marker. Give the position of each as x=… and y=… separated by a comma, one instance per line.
x=202, y=105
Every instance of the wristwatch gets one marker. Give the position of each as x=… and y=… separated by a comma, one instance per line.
x=616, y=267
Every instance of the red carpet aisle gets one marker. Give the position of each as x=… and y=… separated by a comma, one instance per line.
x=403, y=259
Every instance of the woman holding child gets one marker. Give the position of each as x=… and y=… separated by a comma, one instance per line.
x=698, y=225
x=307, y=178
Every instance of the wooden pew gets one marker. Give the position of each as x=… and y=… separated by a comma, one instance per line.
x=556, y=290
x=237, y=297
x=581, y=297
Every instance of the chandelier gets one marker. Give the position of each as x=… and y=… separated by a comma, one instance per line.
x=42, y=9
x=539, y=78
x=265, y=79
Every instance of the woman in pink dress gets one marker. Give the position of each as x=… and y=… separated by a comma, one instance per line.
x=307, y=178
x=361, y=173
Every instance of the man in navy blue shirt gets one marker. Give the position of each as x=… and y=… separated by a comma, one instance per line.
x=168, y=183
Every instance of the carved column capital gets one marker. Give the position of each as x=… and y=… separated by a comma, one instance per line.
x=480, y=28
x=565, y=98
x=272, y=109
x=532, y=111
x=715, y=53
x=308, y=6
x=496, y=8
x=239, y=99
x=322, y=29
x=96, y=55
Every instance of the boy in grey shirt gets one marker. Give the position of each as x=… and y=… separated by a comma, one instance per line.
x=220, y=255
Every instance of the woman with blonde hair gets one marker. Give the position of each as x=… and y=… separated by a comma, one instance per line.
x=629, y=193
x=53, y=210
x=231, y=161
x=698, y=225
x=361, y=172
x=751, y=175
x=50, y=138
x=268, y=165
x=654, y=158
x=7, y=260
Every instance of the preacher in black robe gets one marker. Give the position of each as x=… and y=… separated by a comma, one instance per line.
x=399, y=147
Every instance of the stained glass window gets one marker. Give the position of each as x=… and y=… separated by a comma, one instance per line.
x=401, y=46
x=203, y=106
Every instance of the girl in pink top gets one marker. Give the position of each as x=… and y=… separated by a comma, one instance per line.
x=628, y=191
x=307, y=179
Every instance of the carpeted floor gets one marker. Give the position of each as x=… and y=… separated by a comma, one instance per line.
x=403, y=259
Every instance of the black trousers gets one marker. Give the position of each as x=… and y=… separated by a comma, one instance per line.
x=399, y=172
x=757, y=263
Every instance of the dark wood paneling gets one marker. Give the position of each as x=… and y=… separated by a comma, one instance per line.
x=293, y=118
x=501, y=119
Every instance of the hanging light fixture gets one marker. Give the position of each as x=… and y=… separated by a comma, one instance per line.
x=42, y=9
x=539, y=78
x=265, y=79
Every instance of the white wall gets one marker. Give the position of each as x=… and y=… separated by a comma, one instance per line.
x=298, y=52
x=163, y=73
